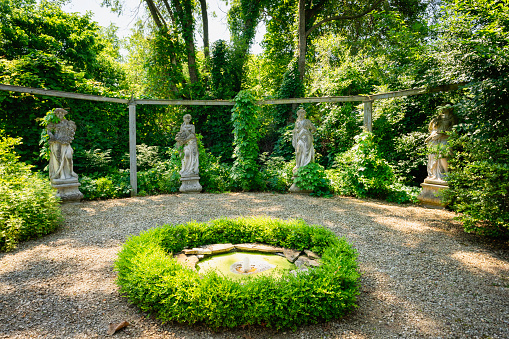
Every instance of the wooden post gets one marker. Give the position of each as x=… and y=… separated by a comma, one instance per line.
x=368, y=112
x=132, y=148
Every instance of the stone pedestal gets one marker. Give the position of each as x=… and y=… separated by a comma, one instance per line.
x=295, y=189
x=429, y=196
x=190, y=184
x=67, y=189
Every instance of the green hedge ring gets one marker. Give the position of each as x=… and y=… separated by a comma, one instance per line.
x=151, y=278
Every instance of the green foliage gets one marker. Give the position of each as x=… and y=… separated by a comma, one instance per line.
x=473, y=48
x=362, y=172
x=275, y=173
x=312, y=178
x=479, y=184
x=214, y=174
x=151, y=278
x=44, y=47
x=244, y=172
x=28, y=205
x=115, y=185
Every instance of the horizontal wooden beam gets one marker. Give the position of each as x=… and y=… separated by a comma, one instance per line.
x=395, y=94
x=60, y=94
x=311, y=100
x=185, y=102
x=352, y=98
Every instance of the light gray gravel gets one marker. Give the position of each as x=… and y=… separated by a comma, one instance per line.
x=421, y=275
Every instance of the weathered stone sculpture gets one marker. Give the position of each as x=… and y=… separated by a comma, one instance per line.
x=189, y=174
x=61, y=170
x=437, y=162
x=303, y=144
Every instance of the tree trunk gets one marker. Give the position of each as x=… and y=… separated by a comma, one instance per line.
x=205, y=20
x=302, y=39
x=185, y=13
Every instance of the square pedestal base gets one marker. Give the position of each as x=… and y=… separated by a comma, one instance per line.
x=67, y=190
x=295, y=189
x=430, y=197
x=190, y=185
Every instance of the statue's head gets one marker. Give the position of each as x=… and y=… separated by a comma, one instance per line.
x=60, y=112
x=187, y=118
x=446, y=111
x=301, y=114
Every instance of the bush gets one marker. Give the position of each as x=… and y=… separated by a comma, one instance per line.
x=214, y=175
x=28, y=205
x=479, y=185
x=312, y=178
x=275, y=173
x=361, y=172
x=151, y=278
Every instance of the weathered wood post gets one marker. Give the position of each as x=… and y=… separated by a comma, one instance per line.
x=132, y=147
x=368, y=112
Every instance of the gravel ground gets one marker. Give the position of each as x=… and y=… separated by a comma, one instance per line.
x=422, y=277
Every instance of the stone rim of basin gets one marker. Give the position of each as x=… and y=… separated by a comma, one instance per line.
x=304, y=260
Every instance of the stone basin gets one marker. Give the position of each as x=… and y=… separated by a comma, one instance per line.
x=227, y=264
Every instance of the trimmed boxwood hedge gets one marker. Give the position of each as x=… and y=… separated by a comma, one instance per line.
x=151, y=278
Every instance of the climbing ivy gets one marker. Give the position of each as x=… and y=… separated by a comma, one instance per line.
x=246, y=135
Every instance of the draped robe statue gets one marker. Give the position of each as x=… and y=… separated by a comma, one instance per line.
x=61, y=171
x=303, y=141
x=189, y=174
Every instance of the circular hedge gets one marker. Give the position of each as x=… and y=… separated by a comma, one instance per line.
x=151, y=278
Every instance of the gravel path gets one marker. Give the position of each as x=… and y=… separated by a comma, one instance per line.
x=421, y=275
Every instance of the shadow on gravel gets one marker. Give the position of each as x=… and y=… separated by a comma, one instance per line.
x=421, y=275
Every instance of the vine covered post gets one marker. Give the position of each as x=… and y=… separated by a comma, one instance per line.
x=368, y=112
x=132, y=147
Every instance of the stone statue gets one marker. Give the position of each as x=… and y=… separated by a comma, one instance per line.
x=437, y=140
x=61, y=170
x=303, y=141
x=60, y=137
x=437, y=162
x=189, y=174
x=303, y=144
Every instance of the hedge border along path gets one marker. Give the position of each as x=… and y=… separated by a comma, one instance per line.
x=151, y=278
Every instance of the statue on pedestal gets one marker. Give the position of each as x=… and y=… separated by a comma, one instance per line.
x=437, y=141
x=61, y=171
x=189, y=174
x=437, y=161
x=303, y=143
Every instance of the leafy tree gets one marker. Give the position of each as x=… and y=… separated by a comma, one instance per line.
x=41, y=46
x=473, y=48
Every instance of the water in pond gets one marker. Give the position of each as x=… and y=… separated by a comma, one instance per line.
x=239, y=265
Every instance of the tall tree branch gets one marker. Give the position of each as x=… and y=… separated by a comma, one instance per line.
x=156, y=15
x=170, y=11
x=344, y=17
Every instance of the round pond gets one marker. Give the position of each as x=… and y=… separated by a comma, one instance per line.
x=230, y=264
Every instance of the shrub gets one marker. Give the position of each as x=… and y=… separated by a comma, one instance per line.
x=275, y=173
x=151, y=278
x=114, y=185
x=361, y=172
x=214, y=175
x=479, y=185
x=28, y=205
x=312, y=177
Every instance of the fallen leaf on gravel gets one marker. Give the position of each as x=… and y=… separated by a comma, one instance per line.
x=115, y=327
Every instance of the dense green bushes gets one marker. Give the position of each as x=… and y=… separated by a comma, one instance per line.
x=363, y=173
x=28, y=205
x=151, y=278
x=473, y=48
